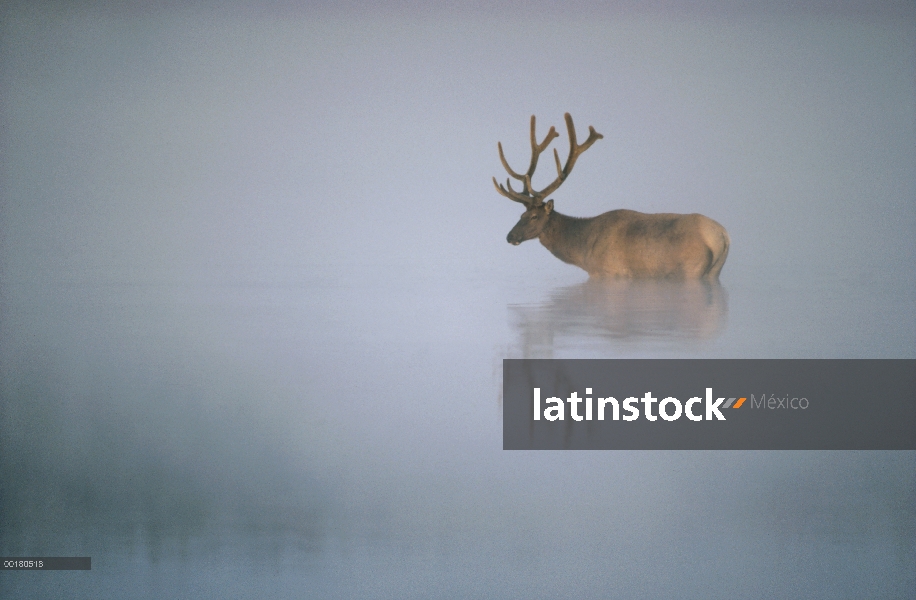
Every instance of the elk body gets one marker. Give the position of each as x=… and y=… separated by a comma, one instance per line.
x=619, y=243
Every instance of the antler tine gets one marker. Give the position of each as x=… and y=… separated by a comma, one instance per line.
x=571, y=130
x=574, y=151
x=526, y=189
x=506, y=166
x=512, y=194
x=536, y=148
x=593, y=136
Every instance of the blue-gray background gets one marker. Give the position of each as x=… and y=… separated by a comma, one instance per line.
x=255, y=293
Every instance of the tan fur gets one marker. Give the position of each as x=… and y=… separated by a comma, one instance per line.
x=630, y=244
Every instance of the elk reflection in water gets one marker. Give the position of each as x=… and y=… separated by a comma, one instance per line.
x=617, y=311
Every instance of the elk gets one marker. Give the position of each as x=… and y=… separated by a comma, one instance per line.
x=619, y=243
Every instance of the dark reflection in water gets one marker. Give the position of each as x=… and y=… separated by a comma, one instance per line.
x=613, y=312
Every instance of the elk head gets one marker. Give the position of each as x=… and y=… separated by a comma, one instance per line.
x=537, y=212
x=531, y=224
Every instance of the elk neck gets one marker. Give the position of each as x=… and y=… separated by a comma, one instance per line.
x=565, y=238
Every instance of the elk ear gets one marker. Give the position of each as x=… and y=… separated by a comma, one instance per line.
x=548, y=206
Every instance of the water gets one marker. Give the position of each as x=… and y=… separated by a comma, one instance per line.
x=336, y=432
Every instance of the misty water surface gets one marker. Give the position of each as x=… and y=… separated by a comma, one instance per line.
x=256, y=296
x=330, y=432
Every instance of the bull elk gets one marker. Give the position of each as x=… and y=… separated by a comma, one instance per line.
x=620, y=243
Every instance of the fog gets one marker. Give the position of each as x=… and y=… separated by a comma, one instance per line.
x=256, y=291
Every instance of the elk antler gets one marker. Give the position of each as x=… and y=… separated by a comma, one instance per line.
x=528, y=196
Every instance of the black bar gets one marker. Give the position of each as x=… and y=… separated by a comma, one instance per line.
x=46, y=563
